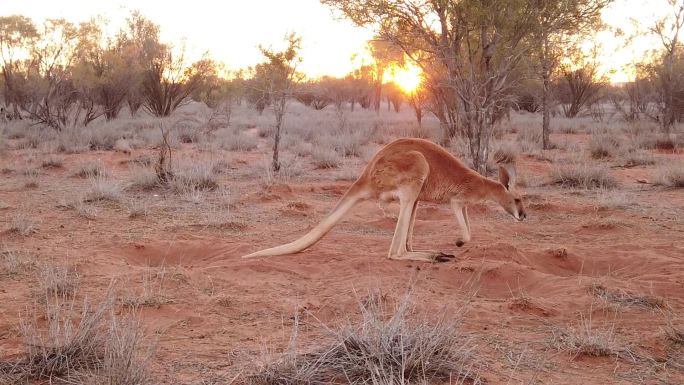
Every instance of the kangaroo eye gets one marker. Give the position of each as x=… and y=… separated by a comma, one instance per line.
x=517, y=200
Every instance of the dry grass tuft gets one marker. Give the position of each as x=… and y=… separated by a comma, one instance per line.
x=52, y=162
x=674, y=333
x=235, y=140
x=670, y=175
x=378, y=350
x=93, y=346
x=624, y=298
x=583, y=176
x=137, y=209
x=505, y=154
x=58, y=280
x=637, y=158
x=151, y=294
x=612, y=199
x=193, y=176
x=587, y=340
x=90, y=170
x=604, y=146
x=13, y=263
x=323, y=158
x=668, y=143
x=23, y=225
x=103, y=189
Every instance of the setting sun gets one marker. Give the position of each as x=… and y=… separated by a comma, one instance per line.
x=408, y=77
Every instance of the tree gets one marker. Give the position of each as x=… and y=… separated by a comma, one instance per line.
x=466, y=49
x=17, y=34
x=384, y=54
x=50, y=81
x=670, y=81
x=279, y=81
x=168, y=82
x=104, y=72
x=140, y=38
x=557, y=25
x=581, y=83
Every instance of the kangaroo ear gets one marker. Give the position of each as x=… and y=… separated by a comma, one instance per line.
x=507, y=177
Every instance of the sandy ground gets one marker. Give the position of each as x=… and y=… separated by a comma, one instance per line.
x=519, y=285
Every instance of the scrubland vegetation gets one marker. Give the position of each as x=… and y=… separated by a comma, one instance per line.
x=132, y=181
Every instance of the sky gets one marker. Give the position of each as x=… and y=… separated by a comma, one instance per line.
x=232, y=30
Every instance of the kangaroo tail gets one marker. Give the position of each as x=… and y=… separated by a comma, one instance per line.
x=355, y=194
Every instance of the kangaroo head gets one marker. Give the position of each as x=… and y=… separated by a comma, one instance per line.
x=509, y=199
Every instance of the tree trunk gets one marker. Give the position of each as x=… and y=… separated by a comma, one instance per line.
x=546, y=82
x=546, y=118
x=276, y=163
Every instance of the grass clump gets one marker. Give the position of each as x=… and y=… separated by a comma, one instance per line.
x=670, y=175
x=52, y=162
x=233, y=140
x=587, y=340
x=90, y=170
x=583, y=176
x=103, y=189
x=637, y=158
x=193, y=177
x=58, y=280
x=143, y=178
x=505, y=154
x=378, y=350
x=93, y=346
x=623, y=298
x=604, y=146
x=23, y=225
x=323, y=158
x=13, y=263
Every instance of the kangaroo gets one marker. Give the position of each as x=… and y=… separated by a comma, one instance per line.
x=413, y=170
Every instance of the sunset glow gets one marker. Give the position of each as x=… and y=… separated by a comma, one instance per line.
x=231, y=31
x=408, y=77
